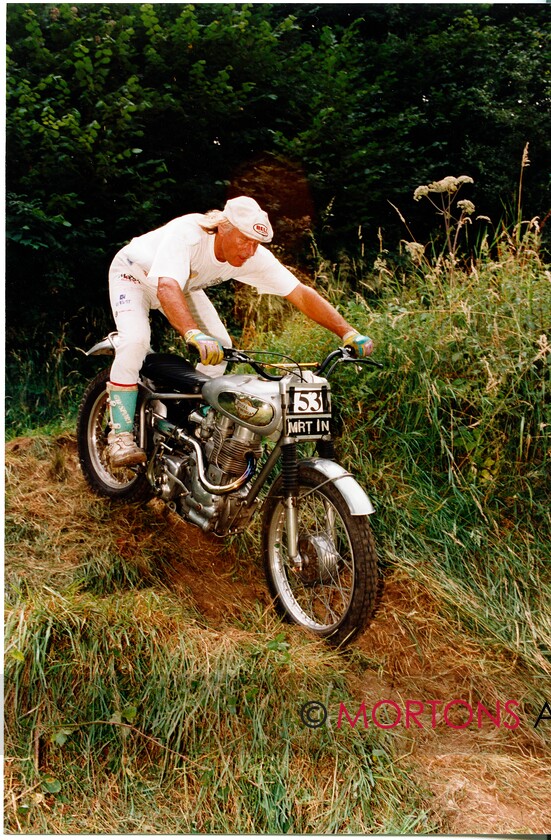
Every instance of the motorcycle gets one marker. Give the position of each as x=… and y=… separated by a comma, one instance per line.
x=220, y=450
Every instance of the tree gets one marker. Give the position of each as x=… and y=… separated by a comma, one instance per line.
x=120, y=116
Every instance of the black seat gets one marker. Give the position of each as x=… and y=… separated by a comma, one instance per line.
x=173, y=373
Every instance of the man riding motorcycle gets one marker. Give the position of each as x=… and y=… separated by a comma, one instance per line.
x=168, y=269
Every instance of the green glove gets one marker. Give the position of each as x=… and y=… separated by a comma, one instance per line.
x=209, y=348
x=361, y=345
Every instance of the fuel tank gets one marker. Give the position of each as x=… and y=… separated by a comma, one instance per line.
x=251, y=402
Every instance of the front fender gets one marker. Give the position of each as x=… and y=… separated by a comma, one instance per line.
x=359, y=503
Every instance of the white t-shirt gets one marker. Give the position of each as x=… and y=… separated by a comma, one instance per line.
x=181, y=249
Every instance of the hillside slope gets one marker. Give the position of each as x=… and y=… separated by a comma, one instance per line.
x=60, y=540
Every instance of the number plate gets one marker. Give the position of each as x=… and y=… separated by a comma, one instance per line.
x=308, y=411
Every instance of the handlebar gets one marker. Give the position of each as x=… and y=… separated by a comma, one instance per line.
x=344, y=354
x=341, y=354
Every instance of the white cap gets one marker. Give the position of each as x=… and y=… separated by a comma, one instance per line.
x=248, y=217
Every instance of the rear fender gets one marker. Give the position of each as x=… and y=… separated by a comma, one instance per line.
x=359, y=503
x=105, y=347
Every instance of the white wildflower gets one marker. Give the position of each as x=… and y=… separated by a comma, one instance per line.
x=381, y=266
x=466, y=206
x=420, y=192
x=544, y=347
x=415, y=250
x=448, y=184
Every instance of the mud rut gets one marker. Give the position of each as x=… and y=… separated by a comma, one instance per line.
x=487, y=780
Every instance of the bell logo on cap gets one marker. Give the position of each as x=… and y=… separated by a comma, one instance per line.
x=260, y=229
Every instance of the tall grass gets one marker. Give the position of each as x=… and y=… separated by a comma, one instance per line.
x=453, y=437
x=47, y=372
x=125, y=715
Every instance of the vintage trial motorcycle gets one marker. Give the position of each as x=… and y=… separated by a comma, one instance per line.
x=219, y=449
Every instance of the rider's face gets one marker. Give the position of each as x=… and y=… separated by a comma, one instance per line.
x=234, y=247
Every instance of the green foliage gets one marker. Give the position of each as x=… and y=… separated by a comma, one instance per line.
x=120, y=116
x=415, y=91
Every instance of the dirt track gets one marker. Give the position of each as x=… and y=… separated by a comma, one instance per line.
x=484, y=780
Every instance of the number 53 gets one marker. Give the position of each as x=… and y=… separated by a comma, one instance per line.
x=309, y=402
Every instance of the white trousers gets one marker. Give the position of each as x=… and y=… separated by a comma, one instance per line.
x=132, y=297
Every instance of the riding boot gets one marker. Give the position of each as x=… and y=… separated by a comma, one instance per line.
x=122, y=449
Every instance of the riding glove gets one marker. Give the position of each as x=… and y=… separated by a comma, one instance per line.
x=209, y=348
x=361, y=345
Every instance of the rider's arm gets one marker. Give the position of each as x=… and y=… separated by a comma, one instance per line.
x=177, y=311
x=174, y=305
x=319, y=310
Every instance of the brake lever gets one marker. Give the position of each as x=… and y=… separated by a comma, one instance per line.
x=347, y=356
x=233, y=355
x=366, y=361
x=236, y=356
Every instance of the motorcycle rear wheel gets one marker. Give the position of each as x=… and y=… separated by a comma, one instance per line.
x=122, y=483
x=336, y=591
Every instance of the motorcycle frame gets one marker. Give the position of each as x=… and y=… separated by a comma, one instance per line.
x=357, y=500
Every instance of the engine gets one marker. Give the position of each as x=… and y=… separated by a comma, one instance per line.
x=223, y=449
x=228, y=445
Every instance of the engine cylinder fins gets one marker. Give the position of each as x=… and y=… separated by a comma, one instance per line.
x=232, y=456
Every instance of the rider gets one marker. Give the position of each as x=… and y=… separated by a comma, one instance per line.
x=167, y=269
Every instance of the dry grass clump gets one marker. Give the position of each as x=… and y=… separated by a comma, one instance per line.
x=488, y=793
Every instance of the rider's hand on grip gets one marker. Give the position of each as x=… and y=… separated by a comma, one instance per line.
x=209, y=348
x=361, y=345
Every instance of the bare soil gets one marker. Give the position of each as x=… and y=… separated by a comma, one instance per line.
x=483, y=780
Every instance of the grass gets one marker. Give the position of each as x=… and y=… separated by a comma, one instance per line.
x=158, y=703
x=453, y=438
x=128, y=710
x=126, y=701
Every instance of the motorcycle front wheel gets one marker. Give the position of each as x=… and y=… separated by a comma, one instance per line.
x=121, y=483
x=334, y=589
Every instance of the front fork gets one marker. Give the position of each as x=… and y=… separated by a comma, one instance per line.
x=289, y=463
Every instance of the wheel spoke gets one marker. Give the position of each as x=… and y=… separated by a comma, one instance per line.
x=321, y=590
x=98, y=423
x=331, y=586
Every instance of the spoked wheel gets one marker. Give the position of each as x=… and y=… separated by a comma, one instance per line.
x=333, y=589
x=124, y=483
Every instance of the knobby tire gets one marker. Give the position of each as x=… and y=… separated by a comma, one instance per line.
x=336, y=593
x=121, y=484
